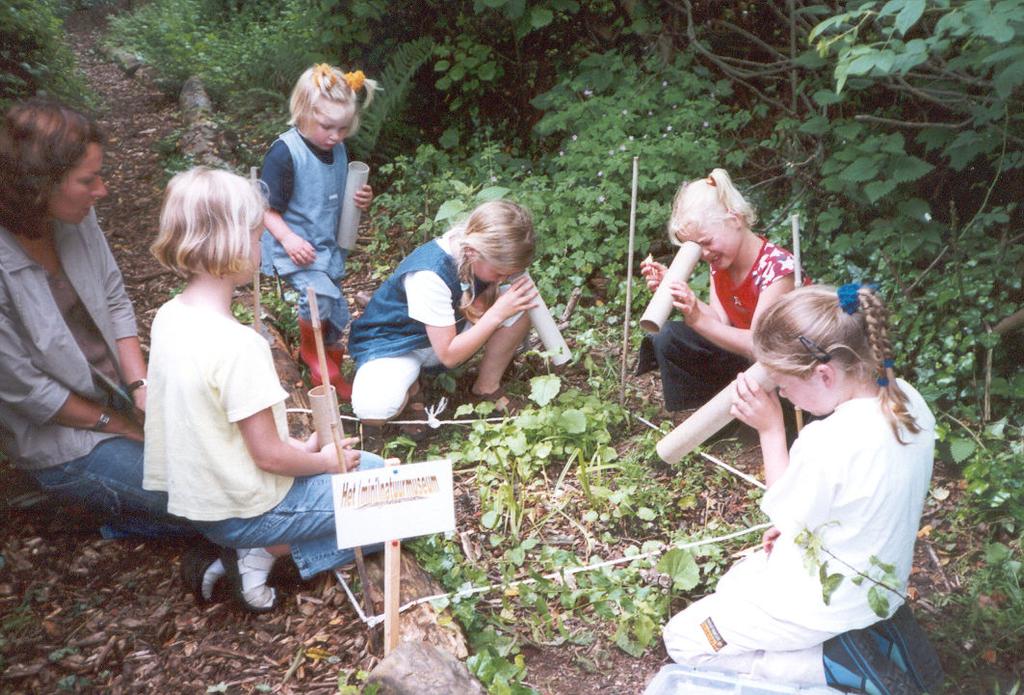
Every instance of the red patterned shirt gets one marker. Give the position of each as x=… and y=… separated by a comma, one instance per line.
x=740, y=300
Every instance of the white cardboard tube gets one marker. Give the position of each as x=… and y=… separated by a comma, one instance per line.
x=660, y=305
x=547, y=330
x=348, y=225
x=324, y=405
x=708, y=419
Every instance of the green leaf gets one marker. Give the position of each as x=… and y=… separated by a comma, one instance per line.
x=449, y=209
x=544, y=388
x=909, y=15
x=878, y=601
x=878, y=189
x=646, y=513
x=540, y=17
x=960, y=448
x=680, y=565
x=491, y=193
x=489, y=519
x=862, y=169
x=573, y=421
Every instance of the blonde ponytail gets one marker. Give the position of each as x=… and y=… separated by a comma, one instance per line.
x=708, y=199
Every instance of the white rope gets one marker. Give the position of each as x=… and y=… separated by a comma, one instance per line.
x=432, y=413
x=463, y=593
x=718, y=462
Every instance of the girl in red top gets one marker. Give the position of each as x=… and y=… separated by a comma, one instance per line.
x=701, y=354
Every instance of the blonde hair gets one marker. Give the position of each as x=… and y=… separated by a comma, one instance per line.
x=501, y=233
x=808, y=326
x=708, y=199
x=326, y=82
x=207, y=223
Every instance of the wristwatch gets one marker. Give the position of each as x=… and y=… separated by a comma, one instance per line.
x=135, y=385
x=102, y=422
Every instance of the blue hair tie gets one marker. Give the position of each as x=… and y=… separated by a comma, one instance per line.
x=888, y=364
x=848, y=297
x=882, y=381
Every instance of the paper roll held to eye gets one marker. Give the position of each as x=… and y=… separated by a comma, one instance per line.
x=324, y=404
x=660, y=306
x=348, y=225
x=547, y=331
x=708, y=419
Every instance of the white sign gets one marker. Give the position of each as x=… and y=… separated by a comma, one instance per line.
x=393, y=503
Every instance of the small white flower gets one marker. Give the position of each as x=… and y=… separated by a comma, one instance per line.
x=611, y=152
x=664, y=83
x=631, y=137
x=600, y=174
x=664, y=135
x=650, y=113
x=622, y=148
x=561, y=153
x=574, y=136
x=625, y=112
x=494, y=179
x=927, y=217
x=668, y=128
x=600, y=198
x=675, y=106
x=706, y=124
x=588, y=92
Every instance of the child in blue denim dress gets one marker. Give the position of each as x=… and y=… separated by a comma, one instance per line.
x=216, y=434
x=305, y=171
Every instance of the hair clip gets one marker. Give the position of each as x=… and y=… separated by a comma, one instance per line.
x=816, y=351
x=848, y=300
x=710, y=181
x=355, y=80
x=888, y=363
x=882, y=381
x=323, y=76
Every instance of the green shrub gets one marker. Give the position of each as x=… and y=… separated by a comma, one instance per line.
x=34, y=57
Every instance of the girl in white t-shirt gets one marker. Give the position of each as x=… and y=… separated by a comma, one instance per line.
x=216, y=435
x=418, y=317
x=845, y=502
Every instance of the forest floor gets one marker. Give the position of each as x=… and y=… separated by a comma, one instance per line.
x=79, y=613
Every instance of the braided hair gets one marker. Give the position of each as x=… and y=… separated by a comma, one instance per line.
x=848, y=328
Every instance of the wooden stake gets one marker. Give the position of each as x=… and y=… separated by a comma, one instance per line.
x=798, y=280
x=629, y=283
x=392, y=591
x=318, y=336
x=257, y=320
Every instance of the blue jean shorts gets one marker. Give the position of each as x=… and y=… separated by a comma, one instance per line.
x=303, y=520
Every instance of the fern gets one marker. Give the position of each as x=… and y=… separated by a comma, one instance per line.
x=394, y=81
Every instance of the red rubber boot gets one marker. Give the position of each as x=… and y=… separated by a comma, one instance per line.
x=335, y=354
x=307, y=354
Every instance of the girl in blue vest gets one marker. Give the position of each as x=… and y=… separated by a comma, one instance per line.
x=305, y=172
x=439, y=307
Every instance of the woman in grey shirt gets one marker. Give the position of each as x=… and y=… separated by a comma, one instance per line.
x=67, y=330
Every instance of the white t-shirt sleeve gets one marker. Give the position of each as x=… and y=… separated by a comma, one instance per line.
x=247, y=380
x=429, y=299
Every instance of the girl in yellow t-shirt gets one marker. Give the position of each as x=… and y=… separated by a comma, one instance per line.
x=216, y=436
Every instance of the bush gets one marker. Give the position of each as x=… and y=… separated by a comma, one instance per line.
x=33, y=55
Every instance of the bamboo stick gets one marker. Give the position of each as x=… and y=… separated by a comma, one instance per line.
x=257, y=310
x=798, y=281
x=629, y=282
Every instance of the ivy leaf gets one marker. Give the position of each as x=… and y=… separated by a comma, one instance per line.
x=680, y=565
x=544, y=388
x=961, y=448
x=909, y=15
x=646, y=513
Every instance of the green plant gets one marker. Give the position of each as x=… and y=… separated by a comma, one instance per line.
x=34, y=59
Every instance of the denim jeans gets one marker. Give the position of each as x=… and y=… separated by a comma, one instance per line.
x=108, y=481
x=303, y=520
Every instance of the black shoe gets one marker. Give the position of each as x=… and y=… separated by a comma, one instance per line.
x=196, y=560
x=854, y=663
x=230, y=560
x=905, y=643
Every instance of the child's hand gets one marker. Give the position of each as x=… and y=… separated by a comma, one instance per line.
x=684, y=299
x=653, y=272
x=754, y=406
x=521, y=296
x=299, y=250
x=363, y=197
x=768, y=539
